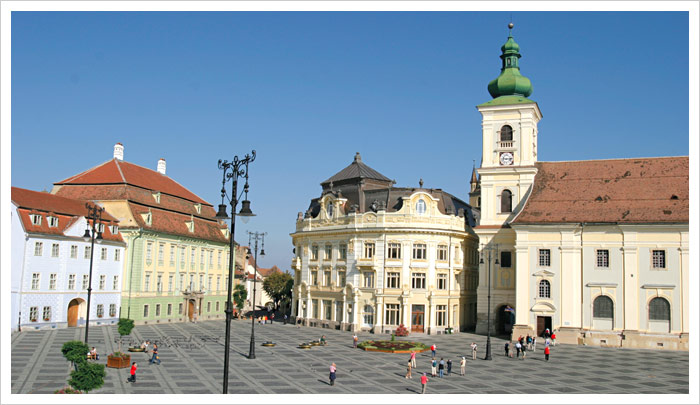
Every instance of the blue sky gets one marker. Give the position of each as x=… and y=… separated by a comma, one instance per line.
x=309, y=89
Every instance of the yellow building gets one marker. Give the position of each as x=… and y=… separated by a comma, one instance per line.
x=371, y=256
x=594, y=250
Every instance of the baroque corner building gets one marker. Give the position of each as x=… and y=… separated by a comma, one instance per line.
x=176, y=261
x=371, y=256
x=596, y=250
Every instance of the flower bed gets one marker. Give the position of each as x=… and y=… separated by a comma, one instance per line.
x=68, y=390
x=387, y=346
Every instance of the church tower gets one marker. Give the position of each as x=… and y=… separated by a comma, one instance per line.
x=509, y=153
x=509, y=149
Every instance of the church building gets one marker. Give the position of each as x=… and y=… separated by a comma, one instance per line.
x=595, y=250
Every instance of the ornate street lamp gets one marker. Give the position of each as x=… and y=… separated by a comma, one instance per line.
x=489, y=249
x=233, y=170
x=255, y=236
x=91, y=233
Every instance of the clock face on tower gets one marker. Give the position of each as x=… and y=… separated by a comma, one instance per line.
x=506, y=159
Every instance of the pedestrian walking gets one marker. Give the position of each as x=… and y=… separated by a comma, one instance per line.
x=354, y=341
x=449, y=366
x=524, y=349
x=507, y=348
x=132, y=373
x=554, y=339
x=331, y=377
x=528, y=340
x=518, y=348
x=462, y=365
x=441, y=367
x=408, y=370
x=473, y=346
x=423, y=383
x=546, y=353
x=155, y=355
x=413, y=359
x=272, y=318
x=534, y=343
x=433, y=368
x=285, y=319
x=433, y=348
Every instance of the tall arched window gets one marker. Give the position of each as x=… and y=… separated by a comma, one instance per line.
x=545, y=289
x=368, y=316
x=603, y=307
x=659, y=310
x=506, y=133
x=506, y=201
x=329, y=210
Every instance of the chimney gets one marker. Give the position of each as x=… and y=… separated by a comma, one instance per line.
x=161, y=166
x=119, y=151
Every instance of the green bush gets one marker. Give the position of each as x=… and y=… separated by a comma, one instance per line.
x=75, y=351
x=87, y=377
x=124, y=327
x=393, y=337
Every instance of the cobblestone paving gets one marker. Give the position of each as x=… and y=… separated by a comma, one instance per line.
x=192, y=363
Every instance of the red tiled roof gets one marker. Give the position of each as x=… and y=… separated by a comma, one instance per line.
x=638, y=190
x=175, y=223
x=136, y=194
x=67, y=210
x=116, y=171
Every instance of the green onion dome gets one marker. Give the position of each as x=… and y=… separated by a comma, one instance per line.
x=510, y=82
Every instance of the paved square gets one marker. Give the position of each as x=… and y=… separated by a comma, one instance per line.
x=192, y=363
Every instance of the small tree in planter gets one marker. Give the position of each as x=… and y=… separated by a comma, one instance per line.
x=240, y=294
x=76, y=352
x=119, y=359
x=401, y=331
x=88, y=376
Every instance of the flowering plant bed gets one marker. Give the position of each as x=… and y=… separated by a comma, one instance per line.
x=118, y=360
x=68, y=390
x=388, y=346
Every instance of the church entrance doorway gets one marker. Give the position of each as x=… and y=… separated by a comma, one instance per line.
x=543, y=323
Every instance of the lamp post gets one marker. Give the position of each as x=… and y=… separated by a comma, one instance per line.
x=91, y=233
x=489, y=249
x=255, y=236
x=233, y=170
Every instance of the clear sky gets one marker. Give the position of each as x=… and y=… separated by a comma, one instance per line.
x=307, y=90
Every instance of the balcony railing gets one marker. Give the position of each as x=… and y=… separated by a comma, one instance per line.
x=506, y=145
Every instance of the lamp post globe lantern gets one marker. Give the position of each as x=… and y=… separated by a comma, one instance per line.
x=232, y=171
x=91, y=233
x=256, y=237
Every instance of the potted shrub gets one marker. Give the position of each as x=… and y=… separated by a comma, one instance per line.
x=119, y=359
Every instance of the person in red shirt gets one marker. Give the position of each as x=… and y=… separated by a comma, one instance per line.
x=423, y=382
x=133, y=373
x=433, y=348
x=554, y=339
x=546, y=353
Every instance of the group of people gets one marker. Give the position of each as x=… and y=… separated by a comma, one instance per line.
x=529, y=343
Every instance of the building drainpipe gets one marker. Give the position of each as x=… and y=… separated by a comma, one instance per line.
x=449, y=282
x=131, y=272
x=21, y=284
x=582, y=270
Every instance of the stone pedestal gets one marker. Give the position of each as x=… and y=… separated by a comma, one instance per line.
x=568, y=335
x=523, y=330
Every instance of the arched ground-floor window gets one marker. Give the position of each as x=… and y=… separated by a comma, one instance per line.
x=659, y=315
x=603, y=310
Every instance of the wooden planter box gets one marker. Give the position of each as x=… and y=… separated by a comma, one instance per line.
x=118, y=362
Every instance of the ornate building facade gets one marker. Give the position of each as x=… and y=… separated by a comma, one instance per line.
x=176, y=266
x=371, y=256
x=596, y=250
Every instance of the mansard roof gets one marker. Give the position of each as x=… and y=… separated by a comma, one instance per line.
x=637, y=190
x=356, y=171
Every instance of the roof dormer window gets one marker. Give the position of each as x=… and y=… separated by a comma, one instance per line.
x=114, y=229
x=420, y=207
x=53, y=221
x=198, y=208
x=190, y=224
x=147, y=218
x=36, y=219
x=329, y=210
x=156, y=196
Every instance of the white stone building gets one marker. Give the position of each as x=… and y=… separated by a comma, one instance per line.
x=51, y=263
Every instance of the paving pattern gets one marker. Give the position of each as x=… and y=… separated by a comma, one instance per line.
x=192, y=363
